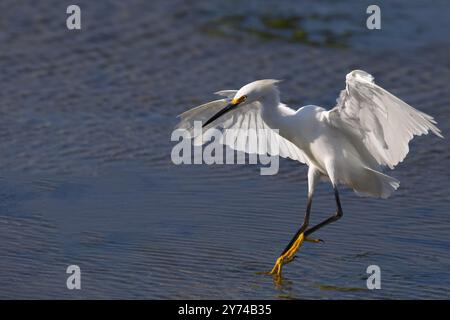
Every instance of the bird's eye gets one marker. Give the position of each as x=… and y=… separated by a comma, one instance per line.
x=242, y=99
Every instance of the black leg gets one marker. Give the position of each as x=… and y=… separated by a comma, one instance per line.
x=303, y=227
x=331, y=219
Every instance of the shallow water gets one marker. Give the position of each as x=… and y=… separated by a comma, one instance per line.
x=86, y=176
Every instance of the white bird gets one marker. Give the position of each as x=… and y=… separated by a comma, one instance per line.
x=368, y=129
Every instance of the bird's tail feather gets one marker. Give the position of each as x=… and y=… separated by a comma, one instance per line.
x=377, y=184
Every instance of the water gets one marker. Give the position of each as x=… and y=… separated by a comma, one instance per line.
x=86, y=176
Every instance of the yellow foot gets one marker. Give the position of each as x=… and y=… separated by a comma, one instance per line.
x=288, y=256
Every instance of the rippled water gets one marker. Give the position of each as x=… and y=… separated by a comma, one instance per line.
x=86, y=176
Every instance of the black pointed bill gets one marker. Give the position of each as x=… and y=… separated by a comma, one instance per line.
x=233, y=104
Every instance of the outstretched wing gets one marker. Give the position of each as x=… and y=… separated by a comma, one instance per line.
x=384, y=123
x=243, y=128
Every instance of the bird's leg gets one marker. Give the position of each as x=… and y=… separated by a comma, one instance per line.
x=339, y=213
x=288, y=253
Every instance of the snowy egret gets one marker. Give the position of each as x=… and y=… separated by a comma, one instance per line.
x=367, y=130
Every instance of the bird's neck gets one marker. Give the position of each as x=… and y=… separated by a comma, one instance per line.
x=272, y=112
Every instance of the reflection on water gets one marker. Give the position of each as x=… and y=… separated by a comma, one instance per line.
x=340, y=289
x=86, y=176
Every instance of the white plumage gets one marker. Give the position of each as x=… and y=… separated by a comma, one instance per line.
x=384, y=123
x=244, y=121
x=368, y=129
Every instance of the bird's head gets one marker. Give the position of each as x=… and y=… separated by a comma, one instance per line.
x=251, y=92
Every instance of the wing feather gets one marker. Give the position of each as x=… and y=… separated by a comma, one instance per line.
x=381, y=121
x=244, y=129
